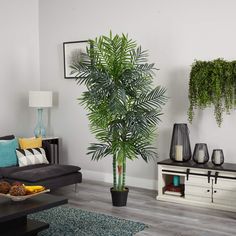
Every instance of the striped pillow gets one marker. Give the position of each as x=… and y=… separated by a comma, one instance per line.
x=31, y=156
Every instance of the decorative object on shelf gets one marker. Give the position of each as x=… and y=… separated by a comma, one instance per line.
x=72, y=52
x=201, y=154
x=217, y=157
x=176, y=180
x=173, y=190
x=123, y=108
x=212, y=83
x=40, y=100
x=180, y=149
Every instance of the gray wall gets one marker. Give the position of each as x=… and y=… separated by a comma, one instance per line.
x=19, y=64
x=174, y=32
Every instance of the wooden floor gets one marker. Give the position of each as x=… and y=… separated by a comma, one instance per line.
x=164, y=219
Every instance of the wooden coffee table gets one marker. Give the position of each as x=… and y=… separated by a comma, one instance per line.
x=13, y=215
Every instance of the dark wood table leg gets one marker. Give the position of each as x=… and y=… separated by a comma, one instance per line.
x=22, y=226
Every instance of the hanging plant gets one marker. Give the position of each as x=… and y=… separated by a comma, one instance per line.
x=212, y=83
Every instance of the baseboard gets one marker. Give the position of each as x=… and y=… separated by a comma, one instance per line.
x=130, y=181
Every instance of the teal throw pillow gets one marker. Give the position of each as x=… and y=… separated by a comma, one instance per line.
x=8, y=153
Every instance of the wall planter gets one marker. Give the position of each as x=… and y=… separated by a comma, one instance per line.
x=212, y=83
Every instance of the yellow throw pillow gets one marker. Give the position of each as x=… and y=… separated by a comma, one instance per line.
x=30, y=143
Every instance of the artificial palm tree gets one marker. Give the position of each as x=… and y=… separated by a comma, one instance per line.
x=123, y=108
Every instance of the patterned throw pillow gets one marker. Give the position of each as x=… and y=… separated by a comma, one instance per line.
x=31, y=156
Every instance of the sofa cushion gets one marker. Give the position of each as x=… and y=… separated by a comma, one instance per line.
x=7, y=171
x=42, y=173
x=7, y=137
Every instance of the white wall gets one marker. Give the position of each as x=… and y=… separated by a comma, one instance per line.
x=174, y=32
x=19, y=64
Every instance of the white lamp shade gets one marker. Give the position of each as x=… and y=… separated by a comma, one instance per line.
x=40, y=99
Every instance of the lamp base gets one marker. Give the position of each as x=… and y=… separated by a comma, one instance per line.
x=40, y=130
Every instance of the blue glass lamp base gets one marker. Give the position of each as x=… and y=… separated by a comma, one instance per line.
x=40, y=130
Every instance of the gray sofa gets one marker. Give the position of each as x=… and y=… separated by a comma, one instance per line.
x=49, y=175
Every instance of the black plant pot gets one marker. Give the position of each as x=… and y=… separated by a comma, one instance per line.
x=119, y=198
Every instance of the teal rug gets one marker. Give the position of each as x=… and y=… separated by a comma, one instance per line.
x=68, y=221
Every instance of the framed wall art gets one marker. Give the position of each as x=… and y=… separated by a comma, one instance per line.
x=71, y=52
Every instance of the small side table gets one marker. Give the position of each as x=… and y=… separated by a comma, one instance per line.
x=54, y=143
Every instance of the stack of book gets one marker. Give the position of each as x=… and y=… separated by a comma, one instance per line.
x=173, y=190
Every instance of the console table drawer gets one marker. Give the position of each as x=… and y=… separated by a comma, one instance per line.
x=198, y=181
x=224, y=194
x=198, y=191
x=227, y=202
x=226, y=184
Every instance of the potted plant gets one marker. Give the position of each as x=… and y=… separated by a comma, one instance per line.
x=123, y=109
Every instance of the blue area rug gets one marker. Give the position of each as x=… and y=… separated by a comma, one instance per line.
x=68, y=221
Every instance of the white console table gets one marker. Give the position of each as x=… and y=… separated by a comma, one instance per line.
x=202, y=185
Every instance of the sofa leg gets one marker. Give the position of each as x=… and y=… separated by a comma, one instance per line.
x=76, y=186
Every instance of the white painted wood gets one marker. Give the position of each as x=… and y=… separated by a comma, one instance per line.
x=225, y=202
x=195, y=202
x=198, y=199
x=198, y=181
x=224, y=194
x=198, y=191
x=226, y=184
x=161, y=182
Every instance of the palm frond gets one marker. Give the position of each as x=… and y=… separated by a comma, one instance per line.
x=98, y=151
x=156, y=98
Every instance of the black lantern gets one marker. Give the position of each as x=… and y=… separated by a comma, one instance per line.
x=201, y=154
x=217, y=157
x=180, y=149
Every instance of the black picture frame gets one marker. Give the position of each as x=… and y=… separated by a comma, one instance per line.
x=70, y=48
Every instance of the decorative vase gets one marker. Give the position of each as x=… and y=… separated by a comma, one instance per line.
x=217, y=157
x=180, y=149
x=176, y=180
x=201, y=154
x=119, y=198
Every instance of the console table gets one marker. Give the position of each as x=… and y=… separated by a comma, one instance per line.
x=201, y=184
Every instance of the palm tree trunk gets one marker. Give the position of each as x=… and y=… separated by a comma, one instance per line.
x=124, y=173
x=114, y=172
x=119, y=177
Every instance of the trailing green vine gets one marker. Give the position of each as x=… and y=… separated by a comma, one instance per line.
x=212, y=83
